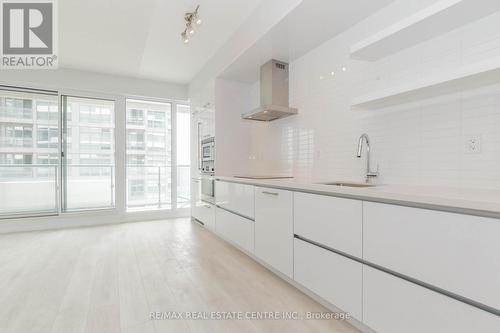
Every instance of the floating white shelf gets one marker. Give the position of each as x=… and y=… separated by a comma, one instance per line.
x=433, y=21
x=466, y=77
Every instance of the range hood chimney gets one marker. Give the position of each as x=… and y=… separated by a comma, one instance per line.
x=273, y=93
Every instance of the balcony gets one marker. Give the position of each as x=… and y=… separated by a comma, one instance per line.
x=34, y=189
x=149, y=187
x=28, y=189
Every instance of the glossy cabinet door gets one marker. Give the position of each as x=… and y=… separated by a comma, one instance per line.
x=238, y=198
x=196, y=198
x=205, y=213
x=235, y=229
x=274, y=228
x=458, y=253
x=394, y=305
x=330, y=221
x=333, y=277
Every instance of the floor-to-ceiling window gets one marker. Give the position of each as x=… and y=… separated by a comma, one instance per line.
x=57, y=153
x=149, y=155
x=29, y=152
x=88, y=153
x=155, y=179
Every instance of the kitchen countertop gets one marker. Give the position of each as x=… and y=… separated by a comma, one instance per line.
x=479, y=202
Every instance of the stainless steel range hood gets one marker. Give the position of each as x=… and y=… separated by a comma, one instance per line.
x=273, y=93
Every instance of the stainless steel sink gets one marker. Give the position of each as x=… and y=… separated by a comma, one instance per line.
x=348, y=184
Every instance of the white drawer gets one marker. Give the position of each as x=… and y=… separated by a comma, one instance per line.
x=333, y=277
x=235, y=197
x=458, y=253
x=274, y=228
x=205, y=213
x=235, y=229
x=334, y=222
x=393, y=305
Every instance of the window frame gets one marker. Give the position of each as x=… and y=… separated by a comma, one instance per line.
x=174, y=207
x=62, y=143
x=53, y=94
x=120, y=156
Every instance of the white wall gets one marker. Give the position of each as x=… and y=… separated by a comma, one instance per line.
x=419, y=143
x=233, y=151
x=264, y=17
x=89, y=81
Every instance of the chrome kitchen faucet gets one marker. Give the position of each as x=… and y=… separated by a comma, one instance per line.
x=369, y=173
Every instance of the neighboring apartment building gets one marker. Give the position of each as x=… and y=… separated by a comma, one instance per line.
x=149, y=154
x=30, y=131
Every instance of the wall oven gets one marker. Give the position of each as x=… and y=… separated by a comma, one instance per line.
x=207, y=156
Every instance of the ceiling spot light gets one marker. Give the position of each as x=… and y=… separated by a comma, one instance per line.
x=344, y=69
x=185, y=37
x=197, y=18
x=192, y=19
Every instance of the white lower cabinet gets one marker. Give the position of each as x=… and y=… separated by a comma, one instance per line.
x=394, y=305
x=333, y=277
x=334, y=222
x=205, y=213
x=235, y=197
x=458, y=253
x=274, y=228
x=236, y=229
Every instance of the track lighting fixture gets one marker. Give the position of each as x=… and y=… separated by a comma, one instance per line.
x=192, y=19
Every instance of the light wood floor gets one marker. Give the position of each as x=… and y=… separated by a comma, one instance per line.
x=108, y=279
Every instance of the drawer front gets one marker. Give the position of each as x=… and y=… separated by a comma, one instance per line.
x=238, y=198
x=458, y=253
x=235, y=229
x=274, y=228
x=333, y=277
x=393, y=305
x=205, y=213
x=334, y=222
x=196, y=211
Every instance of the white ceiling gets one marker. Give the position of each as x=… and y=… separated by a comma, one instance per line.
x=141, y=38
x=307, y=26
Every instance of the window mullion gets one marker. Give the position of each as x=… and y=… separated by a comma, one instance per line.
x=173, y=144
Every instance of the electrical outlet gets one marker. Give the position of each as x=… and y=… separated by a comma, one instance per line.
x=473, y=144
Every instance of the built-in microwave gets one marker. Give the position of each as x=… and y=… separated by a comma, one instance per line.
x=208, y=150
x=207, y=156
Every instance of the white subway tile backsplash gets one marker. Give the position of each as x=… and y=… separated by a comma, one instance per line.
x=419, y=143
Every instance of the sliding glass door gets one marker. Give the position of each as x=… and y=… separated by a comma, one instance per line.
x=88, y=164
x=149, y=155
x=158, y=155
x=29, y=152
x=57, y=154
